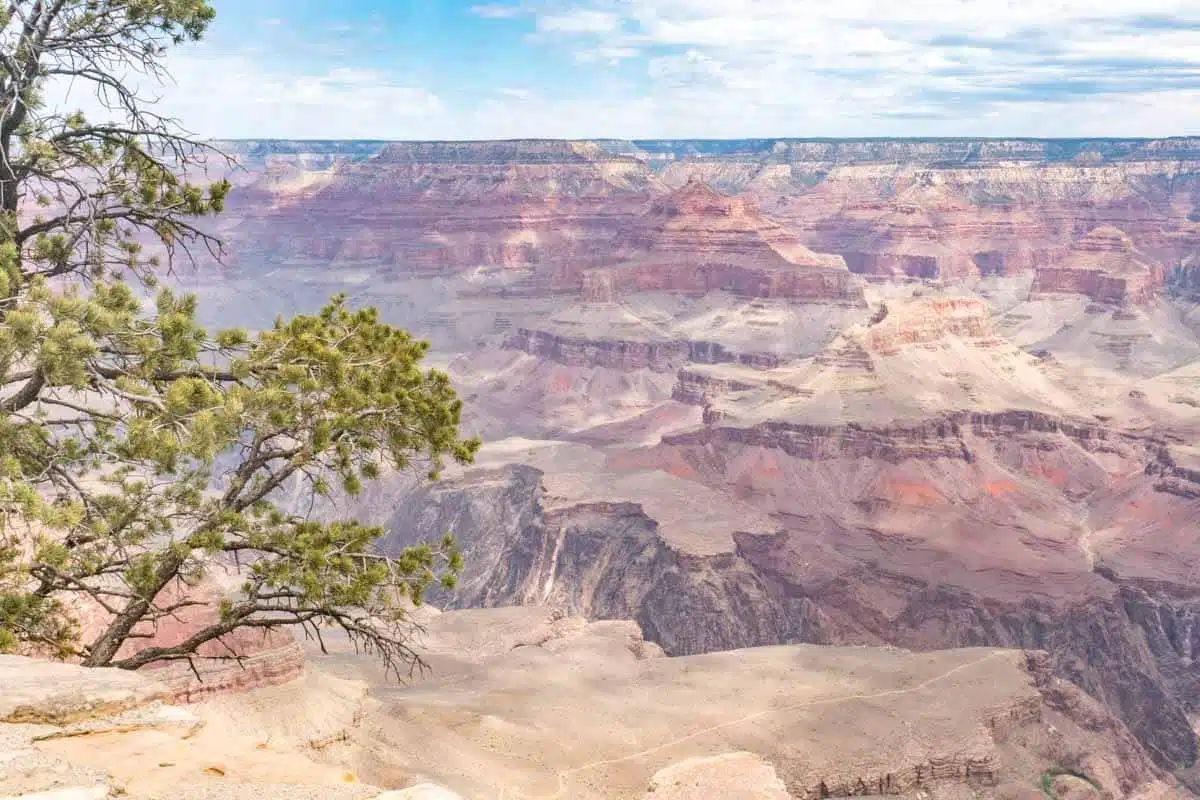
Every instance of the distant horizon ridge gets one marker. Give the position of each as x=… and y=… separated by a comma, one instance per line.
x=635, y=140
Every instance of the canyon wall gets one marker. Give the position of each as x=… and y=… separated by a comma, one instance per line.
x=937, y=209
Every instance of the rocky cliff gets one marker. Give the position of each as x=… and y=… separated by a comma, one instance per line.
x=835, y=585
x=695, y=240
x=1104, y=266
x=927, y=482
x=660, y=356
x=938, y=209
x=437, y=207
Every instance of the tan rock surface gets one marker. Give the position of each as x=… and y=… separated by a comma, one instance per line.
x=71, y=733
x=51, y=693
x=567, y=709
x=736, y=776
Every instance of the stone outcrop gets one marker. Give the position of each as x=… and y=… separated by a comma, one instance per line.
x=929, y=320
x=659, y=356
x=241, y=660
x=51, y=693
x=737, y=776
x=700, y=388
x=508, y=686
x=1104, y=266
x=1177, y=469
x=74, y=733
x=695, y=240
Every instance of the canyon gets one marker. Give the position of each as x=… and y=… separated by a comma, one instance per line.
x=788, y=428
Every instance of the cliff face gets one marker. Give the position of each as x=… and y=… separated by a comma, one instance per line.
x=1104, y=266
x=439, y=207
x=663, y=356
x=606, y=560
x=908, y=210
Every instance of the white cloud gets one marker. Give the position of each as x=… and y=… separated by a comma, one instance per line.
x=870, y=67
x=579, y=21
x=232, y=95
x=497, y=11
x=520, y=95
x=750, y=68
x=612, y=55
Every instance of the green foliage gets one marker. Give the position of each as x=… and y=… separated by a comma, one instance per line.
x=138, y=448
x=1047, y=780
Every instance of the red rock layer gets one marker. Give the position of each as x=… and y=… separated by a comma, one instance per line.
x=1104, y=266
x=930, y=320
x=911, y=210
x=238, y=661
x=948, y=220
x=696, y=240
x=439, y=207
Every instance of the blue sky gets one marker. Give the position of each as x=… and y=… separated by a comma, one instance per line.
x=464, y=69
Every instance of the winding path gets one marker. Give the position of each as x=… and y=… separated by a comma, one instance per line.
x=508, y=793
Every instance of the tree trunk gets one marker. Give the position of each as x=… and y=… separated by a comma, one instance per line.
x=103, y=650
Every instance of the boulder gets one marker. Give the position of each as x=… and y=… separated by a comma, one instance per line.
x=732, y=776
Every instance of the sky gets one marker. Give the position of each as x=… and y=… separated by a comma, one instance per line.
x=478, y=69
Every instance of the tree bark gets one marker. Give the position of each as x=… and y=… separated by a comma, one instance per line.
x=104, y=649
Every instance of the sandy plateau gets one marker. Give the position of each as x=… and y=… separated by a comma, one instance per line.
x=527, y=703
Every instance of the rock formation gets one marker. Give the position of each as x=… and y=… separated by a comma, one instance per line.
x=70, y=733
x=549, y=210
x=500, y=715
x=694, y=241
x=1104, y=266
x=438, y=206
x=241, y=660
x=924, y=482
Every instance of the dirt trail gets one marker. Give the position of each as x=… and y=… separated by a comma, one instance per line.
x=508, y=793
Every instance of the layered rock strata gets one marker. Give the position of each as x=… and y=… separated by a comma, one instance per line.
x=437, y=207
x=73, y=733
x=238, y=661
x=839, y=582
x=1104, y=266
x=914, y=210
x=696, y=240
x=660, y=356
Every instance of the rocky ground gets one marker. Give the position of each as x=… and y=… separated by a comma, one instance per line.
x=523, y=703
x=69, y=733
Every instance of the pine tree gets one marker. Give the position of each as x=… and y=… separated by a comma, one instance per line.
x=137, y=449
